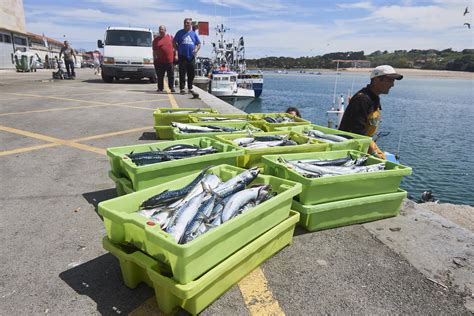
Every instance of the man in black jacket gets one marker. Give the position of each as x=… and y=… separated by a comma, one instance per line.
x=362, y=115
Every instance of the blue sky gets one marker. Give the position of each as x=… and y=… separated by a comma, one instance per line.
x=270, y=28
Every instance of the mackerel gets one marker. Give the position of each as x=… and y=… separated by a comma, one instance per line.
x=210, y=181
x=183, y=215
x=231, y=186
x=172, y=196
x=240, y=199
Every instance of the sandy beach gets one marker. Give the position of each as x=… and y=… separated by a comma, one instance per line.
x=421, y=73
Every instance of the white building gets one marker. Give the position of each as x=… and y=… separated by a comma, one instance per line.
x=12, y=31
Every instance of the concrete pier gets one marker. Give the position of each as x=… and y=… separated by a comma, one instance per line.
x=53, y=137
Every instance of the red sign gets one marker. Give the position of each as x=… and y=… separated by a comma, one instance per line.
x=203, y=28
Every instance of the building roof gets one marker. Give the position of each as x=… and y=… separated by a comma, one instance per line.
x=40, y=38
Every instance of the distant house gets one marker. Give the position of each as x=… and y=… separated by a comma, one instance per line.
x=44, y=46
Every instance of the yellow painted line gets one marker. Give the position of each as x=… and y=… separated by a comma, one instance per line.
x=81, y=94
x=26, y=149
x=171, y=98
x=254, y=289
x=133, y=107
x=113, y=134
x=60, y=98
x=54, y=140
x=55, y=109
x=12, y=99
x=143, y=101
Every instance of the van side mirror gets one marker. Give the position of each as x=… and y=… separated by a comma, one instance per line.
x=100, y=44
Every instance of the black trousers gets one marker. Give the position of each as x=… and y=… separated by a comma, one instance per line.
x=186, y=68
x=160, y=70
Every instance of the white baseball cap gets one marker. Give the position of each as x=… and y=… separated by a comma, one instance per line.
x=385, y=70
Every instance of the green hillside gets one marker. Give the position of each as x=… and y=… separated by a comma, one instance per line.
x=446, y=59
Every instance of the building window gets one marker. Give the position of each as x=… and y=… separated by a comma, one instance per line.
x=7, y=38
x=1, y=38
x=19, y=41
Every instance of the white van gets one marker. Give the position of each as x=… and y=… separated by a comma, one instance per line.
x=127, y=53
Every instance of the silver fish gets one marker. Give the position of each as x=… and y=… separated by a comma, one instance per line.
x=210, y=180
x=232, y=185
x=239, y=199
x=184, y=215
x=318, y=134
x=187, y=128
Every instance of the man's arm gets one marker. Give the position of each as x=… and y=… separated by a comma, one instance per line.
x=74, y=54
x=60, y=52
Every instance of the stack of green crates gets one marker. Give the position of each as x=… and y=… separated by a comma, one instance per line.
x=335, y=201
x=194, y=274
x=355, y=141
x=129, y=177
x=165, y=116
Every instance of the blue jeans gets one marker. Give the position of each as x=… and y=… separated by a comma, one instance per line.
x=70, y=68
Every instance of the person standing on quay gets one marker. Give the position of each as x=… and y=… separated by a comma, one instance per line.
x=362, y=115
x=69, y=59
x=187, y=44
x=164, y=55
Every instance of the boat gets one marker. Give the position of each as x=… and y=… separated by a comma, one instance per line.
x=229, y=59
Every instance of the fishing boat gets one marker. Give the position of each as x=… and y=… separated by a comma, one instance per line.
x=225, y=85
x=227, y=64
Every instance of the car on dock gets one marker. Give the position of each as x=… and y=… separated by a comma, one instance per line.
x=127, y=54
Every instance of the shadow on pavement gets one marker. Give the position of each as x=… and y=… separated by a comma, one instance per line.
x=101, y=280
x=148, y=136
x=300, y=231
x=96, y=197
x=122, y=81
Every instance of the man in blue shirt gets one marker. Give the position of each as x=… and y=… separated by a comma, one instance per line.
x=187, y=44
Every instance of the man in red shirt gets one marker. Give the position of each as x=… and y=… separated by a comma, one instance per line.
x=164, y=56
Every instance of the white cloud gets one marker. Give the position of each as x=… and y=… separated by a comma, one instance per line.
x=261, y=6
x=358, y=5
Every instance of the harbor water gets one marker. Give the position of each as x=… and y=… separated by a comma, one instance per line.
x=429, y=120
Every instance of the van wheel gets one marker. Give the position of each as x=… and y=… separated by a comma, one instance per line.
x=107, y=79
x=153, y=79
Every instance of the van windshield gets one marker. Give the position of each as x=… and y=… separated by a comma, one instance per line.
x=128, y=38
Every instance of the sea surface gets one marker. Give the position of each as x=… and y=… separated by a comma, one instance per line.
x=430, y=121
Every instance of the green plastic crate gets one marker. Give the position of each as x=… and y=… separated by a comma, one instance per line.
x=335, y=188
x=253, y=157
x=195, y=296
x=358, y=142
x=187, y=262
x=123, y=185
x=164, y=116
x=270, y=127
x=143, y=177
x=197, y=118
x=237, y=125
x=348, y=212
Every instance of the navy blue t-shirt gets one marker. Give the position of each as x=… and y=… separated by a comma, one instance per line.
x=186, y=42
